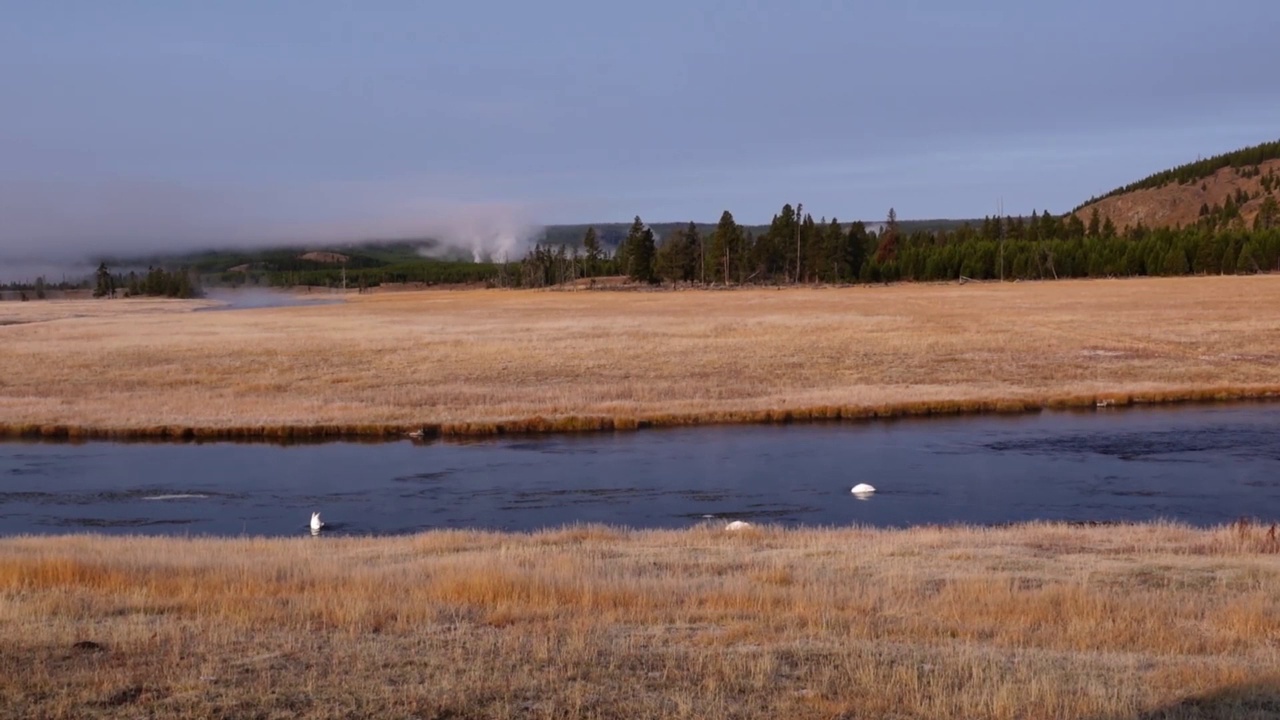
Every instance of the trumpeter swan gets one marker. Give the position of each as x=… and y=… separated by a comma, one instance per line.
x=738, y=525
x=862, y=489
x=316, y=523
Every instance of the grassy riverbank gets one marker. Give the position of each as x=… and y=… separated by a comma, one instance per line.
x=477, y=362
x=1034, y=621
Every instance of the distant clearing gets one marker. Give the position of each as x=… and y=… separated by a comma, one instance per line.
x=324, y=257
x=471, y=361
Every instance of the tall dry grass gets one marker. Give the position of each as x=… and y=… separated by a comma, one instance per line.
x=1035, y=621
x=475, y=362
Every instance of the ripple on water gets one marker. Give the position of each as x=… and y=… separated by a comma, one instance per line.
x=73, y=522
x=1145, y=445
x=423, y=477
x=98, y=497
x=176, y=496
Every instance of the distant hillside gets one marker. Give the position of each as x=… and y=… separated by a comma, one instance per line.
x=1216, y=190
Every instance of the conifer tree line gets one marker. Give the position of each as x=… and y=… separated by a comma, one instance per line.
x=796, y=248
x=156, y=282
x=424, y=271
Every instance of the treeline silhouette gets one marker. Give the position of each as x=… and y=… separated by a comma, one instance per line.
x=155, y=282
x=798, y=249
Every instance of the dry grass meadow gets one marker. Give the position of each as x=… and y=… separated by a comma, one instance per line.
x=1035, y=621
x=480, y=361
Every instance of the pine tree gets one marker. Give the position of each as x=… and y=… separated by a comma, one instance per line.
x=640, y=251
x=625, y=248
x=591, y=244
x=855, y=250
x=1208, y=256
x=643, y=258
x=887, y=249
x=725, y=245
x=1108, y=228
x=1268, y=215
x=673, y=261
x=807, y=246
x=182, y=286
x=990, y=228
x=105, y=285
x=695, y=254
x=832, y=258
x=1229, y=209
x=774, y=248
x=1230, y=257
x=1247, y=262
x=1075, y=229
x=1175, y=262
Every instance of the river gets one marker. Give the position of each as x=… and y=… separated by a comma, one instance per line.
x=1202, y=465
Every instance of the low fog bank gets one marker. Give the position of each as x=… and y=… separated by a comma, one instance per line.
x=26, y=270
x=53, y=229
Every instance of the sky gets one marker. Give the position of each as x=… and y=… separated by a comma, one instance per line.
x=143, y=124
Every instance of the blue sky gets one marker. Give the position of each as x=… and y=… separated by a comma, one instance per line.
x=169, y=122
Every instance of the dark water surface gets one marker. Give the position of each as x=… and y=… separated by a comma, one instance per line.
x=1201, y=465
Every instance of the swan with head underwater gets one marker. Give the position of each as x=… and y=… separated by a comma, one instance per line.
x=316, y=523
x=863, y=491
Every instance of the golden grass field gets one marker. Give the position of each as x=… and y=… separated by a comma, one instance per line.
x=1035, y=621
x=479, y=361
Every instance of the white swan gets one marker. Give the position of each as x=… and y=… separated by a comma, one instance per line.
x=738, y=525
x=316, y=523
x=862, y=489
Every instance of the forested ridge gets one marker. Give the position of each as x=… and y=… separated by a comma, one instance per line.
x=1194, y=171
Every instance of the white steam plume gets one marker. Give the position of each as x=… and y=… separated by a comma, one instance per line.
x=487, y=232
x=48, y=226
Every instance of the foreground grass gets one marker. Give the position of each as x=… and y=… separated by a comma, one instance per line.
x=1034, y=621
x=481, y=361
